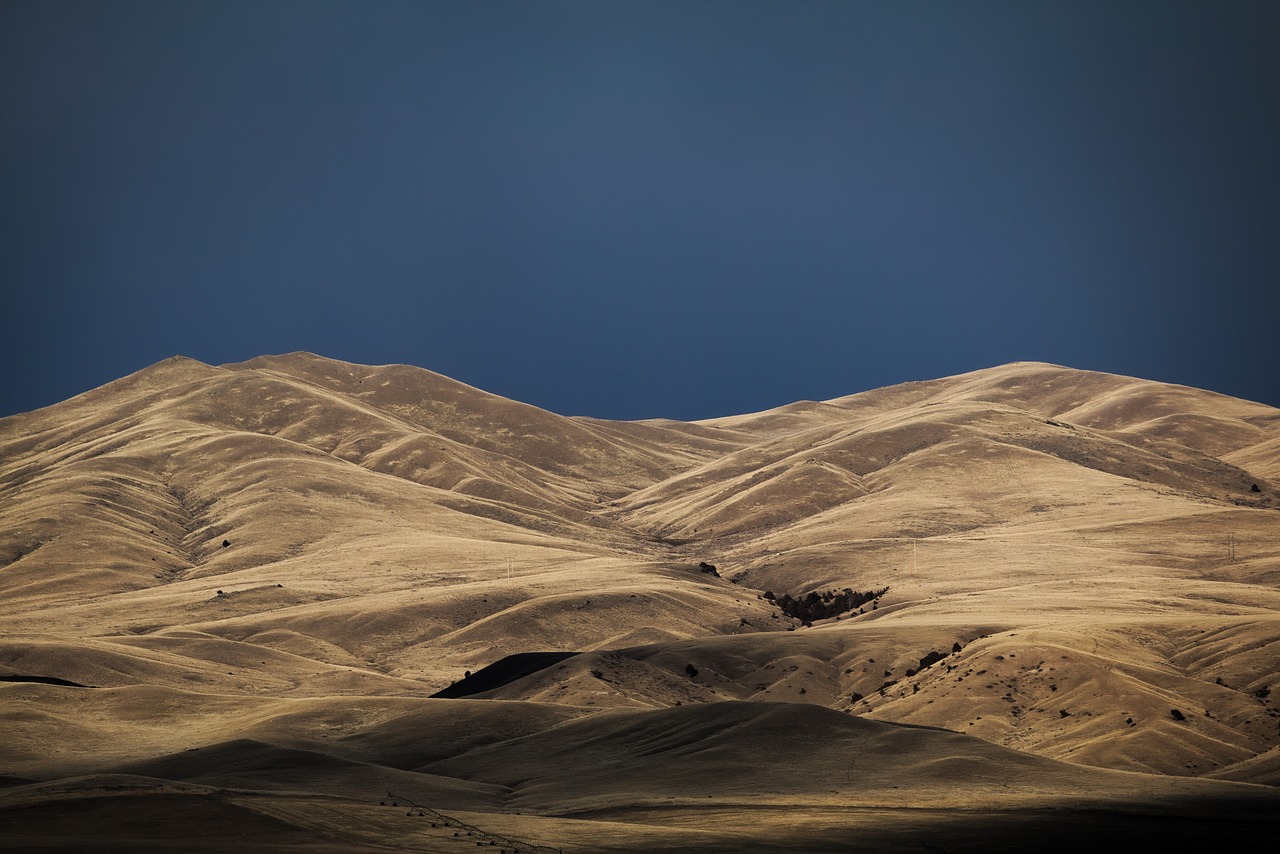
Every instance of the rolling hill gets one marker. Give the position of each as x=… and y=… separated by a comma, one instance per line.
x=250, y=606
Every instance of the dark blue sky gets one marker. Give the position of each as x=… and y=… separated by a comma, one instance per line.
x=641, y=209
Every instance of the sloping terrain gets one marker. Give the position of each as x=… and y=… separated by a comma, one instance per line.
x=974, y=605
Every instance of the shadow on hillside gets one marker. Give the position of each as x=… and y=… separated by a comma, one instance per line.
x=502, y=672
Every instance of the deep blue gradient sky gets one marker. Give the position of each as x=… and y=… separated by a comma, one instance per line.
x=642, y=209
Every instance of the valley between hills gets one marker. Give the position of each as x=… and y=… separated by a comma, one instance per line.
x=298, y=604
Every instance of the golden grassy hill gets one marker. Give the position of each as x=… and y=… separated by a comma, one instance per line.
x=247, y=595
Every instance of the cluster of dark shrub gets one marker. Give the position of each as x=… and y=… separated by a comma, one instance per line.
x=819, y=606
x=932, y=657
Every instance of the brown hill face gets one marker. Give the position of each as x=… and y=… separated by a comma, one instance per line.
x=265, y=570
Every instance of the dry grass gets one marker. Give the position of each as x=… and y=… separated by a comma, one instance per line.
x=265, y=570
